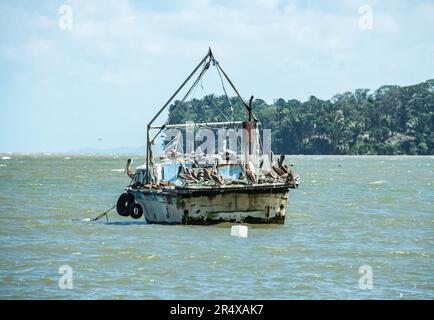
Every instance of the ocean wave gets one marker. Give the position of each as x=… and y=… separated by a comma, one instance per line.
x=410, y=253
x=378, y=182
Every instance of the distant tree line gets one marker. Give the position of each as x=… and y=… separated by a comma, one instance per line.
x=392, y=120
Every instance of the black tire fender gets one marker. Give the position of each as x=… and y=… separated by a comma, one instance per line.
x=122, y=205
x=135, y=210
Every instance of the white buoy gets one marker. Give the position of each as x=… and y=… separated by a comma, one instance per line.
x=239, y=231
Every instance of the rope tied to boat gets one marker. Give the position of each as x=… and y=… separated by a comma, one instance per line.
x=104, y=214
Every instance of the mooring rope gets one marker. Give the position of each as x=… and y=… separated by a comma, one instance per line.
x=104, y=214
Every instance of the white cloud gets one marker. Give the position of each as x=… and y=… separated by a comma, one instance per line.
x=122, y=53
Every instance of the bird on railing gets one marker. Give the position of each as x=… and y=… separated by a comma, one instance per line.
x=250, y=175
x=215, y=176
x=278, y=170
x=186, y=174
x=190, y=172
x=207, y=174
x=271, y=174
x=293, y=178
x=186, y=178
x=281, y=160
x=128, y=170
x=282, y=166
x=217, y=179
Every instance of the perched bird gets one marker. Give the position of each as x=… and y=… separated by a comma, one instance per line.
x=215, y=176
x=128, y=170
x=207, y=174
x=278, y=170
x=282, y=166
x=187, y=170
x=186, y=174
x=285, y=168
x=186, y=177
x=271, y=174
x=281, y=160
x=191, y=172
x=250, y=175
x=217, y=179
x=195, y=174
x=293, y=178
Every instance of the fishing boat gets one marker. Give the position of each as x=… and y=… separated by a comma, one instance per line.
x=235, y=185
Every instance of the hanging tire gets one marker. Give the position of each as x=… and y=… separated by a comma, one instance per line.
x=130, y=198
x=135, y=210
x=122, y=205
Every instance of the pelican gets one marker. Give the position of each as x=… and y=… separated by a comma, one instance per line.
x=195, y=174
x=186, y=177
x=188, y=170
x=217, y=178
x=207, y=174
x=251, y=176
x=186, y=174
x=280, y=160
x=192, y=173
x=294, y=178
x=278, y=170
x=285, y=168
x=271, y=174
x=282, y=166
x=130, y=172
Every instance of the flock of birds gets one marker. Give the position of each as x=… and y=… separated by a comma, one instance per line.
x=203, y=174
x=278, y=173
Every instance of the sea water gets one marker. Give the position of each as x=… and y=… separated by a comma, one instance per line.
x=357, y=228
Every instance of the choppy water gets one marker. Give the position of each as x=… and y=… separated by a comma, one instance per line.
x=348, y=212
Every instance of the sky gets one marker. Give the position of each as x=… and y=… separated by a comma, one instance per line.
x=91, y=73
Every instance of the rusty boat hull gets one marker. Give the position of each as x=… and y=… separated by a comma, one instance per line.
x=254, y=204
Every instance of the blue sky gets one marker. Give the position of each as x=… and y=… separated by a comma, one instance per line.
x=106, y=76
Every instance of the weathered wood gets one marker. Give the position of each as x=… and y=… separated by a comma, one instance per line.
x=255, y=205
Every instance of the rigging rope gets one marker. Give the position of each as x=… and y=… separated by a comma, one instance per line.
x=224, y=89
x=104, y=214
x=205, y=68
x=199, y=79
x=214, y=105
